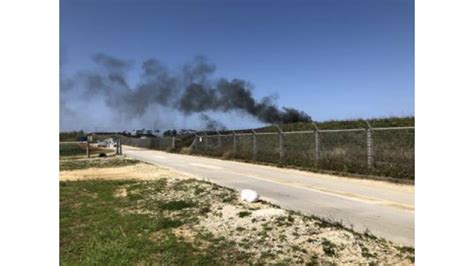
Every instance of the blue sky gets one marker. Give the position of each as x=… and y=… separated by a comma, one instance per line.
x=334, y=59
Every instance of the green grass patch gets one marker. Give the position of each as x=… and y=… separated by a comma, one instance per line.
x=99, y=228
x=243, y=214
x=177, y=205
x=329, y=248
x=71, y=149
x=67, y=165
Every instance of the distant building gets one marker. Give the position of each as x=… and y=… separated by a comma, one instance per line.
x=138, y=132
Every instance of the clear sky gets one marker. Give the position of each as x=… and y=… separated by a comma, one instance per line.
x=334, y=59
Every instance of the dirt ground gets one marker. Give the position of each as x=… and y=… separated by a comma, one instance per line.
x=140, y=171
x=269, y=232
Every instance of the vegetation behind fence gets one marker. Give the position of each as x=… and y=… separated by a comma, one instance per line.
x=375, y=151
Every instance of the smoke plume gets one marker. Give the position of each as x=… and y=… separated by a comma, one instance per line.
x=191, y=90
x=211, y=124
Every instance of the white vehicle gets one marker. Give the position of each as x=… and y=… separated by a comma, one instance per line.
x=107, y=143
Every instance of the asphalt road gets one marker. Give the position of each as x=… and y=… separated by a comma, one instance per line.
x=386, y=210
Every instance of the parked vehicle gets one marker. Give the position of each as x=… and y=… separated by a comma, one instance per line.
x=107, y=143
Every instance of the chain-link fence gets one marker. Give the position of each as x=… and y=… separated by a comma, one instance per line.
x=158, y=143
x=376, y=151
x=394, y=151
x=155, y=143
x=379, y=151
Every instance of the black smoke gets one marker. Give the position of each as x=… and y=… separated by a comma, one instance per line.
x=190, y=90
x=212, y=124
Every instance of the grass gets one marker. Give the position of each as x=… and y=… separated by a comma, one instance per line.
x=72, y=135
x=177, y=205
x=71, y=149
x=96, y=229
x=68, y=165
x=243, y=214
x=340, y=152
x=329, y=248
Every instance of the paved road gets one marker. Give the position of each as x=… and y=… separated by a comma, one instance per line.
x=385, y=209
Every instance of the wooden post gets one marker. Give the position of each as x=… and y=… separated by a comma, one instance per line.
x=173, y=142
x=120, y=146
x=254, y=145
x=205, y=141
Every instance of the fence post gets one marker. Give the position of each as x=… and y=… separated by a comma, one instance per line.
x=173, y=142
x=280, y=143
x=254, y=145
x=219, y=141
x=116, y=146
x=87, y=148
x=316, y=143
x=370, y=148
x=194, y=141
x=205, y=141
x=120, y=146
x=235, y=142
